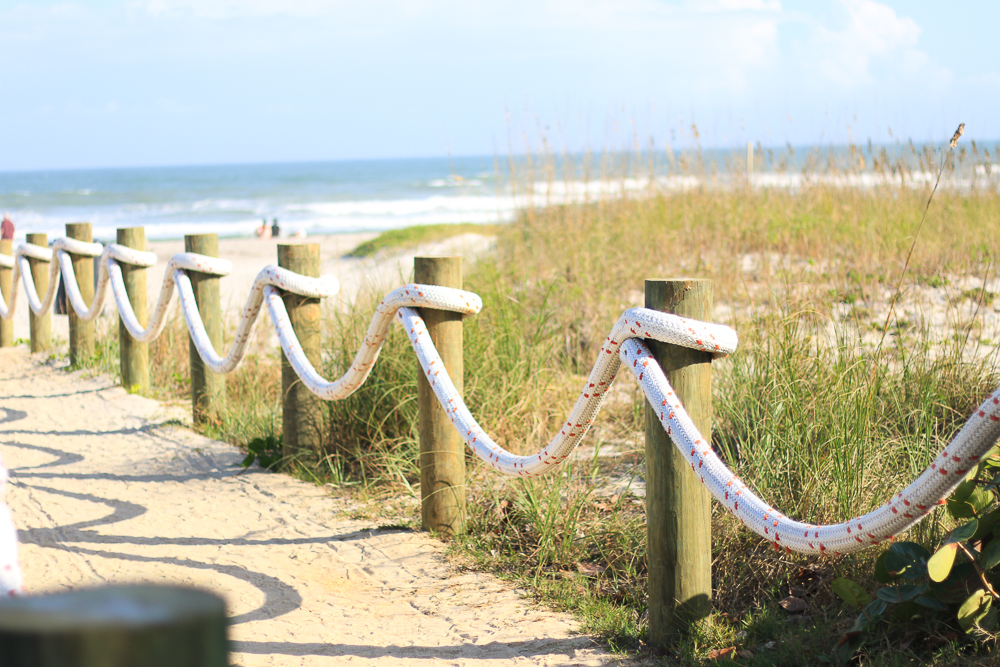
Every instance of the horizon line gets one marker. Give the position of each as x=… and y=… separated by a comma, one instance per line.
x=449, y=156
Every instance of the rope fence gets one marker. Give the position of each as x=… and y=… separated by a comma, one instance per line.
x=628, y=343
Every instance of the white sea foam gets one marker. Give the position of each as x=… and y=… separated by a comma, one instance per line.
x=455, y=182
x=442, y=200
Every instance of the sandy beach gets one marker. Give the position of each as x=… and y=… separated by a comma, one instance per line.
x=249, y=256
x=105, y=487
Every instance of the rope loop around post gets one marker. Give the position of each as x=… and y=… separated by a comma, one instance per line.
x=623, y=345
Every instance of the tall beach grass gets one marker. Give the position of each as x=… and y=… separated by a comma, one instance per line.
x=818, y=411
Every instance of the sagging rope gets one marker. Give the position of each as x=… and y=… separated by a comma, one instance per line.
x=11, y=583
x=623, y=345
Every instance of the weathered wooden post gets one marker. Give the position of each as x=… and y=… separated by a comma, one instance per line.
x=6, y=288
x=115, y=626
x=678, y=506
x=134, y=355
x=302, y=411
x=40, y=326
x=442, y=451
x=208, y=389
x=81, y=334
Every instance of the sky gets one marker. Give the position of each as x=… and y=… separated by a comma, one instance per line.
x=163, y=82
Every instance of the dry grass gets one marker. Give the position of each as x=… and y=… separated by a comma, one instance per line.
x=814, y=413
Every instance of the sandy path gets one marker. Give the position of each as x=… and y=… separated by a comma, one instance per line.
x=106, y=488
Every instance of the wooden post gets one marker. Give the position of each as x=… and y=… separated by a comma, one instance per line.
x=115, y=626
x=442, y=451
x=81, y=334
x=134, y=355
x=678, y=506
x=302, y=411
x=6, y=287
x=208, y=389
x=40, y=326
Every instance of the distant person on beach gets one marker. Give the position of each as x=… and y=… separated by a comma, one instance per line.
x=275, y=229
x=264, y=232
x=7, y=228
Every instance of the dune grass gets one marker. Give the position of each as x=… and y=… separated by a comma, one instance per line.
x=823, y=411
x=812, y=413
x=408, y=237
x=817, y=416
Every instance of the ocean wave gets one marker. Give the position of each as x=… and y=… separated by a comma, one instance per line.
x=240, y=215
x=455, y=182
x=403, y=207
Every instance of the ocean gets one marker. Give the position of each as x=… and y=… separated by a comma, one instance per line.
x=375, y=195
x=232, y=200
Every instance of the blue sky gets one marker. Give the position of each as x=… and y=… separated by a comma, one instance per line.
x=155, y=82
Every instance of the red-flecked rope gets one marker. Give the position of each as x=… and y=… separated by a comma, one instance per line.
x=623, y=345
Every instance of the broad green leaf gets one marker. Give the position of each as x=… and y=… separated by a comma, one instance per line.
x=850, y=592
x=875, y=609
x=888, y=566
x=963, y=491
x=914, y=555
x=974, y=609
x=847, y=646
x=940, y=564
x=987, y=522
x=989, y=622
x=897, y=594
x=910, y=551
x=958, y=586
x=907, y=610
x=861, y=623
x=981, y=499
x=960, y=509
x=990, y=557
x=962, y=533
x=931, y=603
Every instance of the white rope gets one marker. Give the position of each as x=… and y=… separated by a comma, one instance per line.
x=901, y=512
x=10, y=571
x=268, y=281
x=635, y=322
x=413, y=295
x=623, y=344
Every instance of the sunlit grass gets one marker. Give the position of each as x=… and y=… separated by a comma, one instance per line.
x=816, y=415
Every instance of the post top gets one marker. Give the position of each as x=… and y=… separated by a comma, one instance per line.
x=298, y=247
x=129, y=606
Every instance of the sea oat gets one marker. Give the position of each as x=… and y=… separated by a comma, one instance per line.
x=958, y=133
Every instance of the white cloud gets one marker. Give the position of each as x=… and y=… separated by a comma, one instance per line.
x=873, y=32
x=226, y=9
x=743, y=5
x=364, y=68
